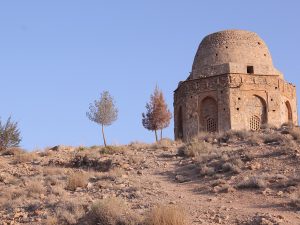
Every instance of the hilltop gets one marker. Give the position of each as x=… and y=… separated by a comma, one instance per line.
x=231, y=178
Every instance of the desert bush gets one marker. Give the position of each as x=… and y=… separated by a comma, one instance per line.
x=231, y=167
x=9, y=135
x=110, y=149
x=83, y=161
x=12, y=151
x=69, y=211
x=273, y=138
x=110, y=211
x=34, y=188
x=166, y=215
x=207, y=170
x=164, y=143
x=51, y=220
x=77, y=180
x=295, y=200
x=24, y=157
x=295, y=133
x=195, y=148
x=252, y=183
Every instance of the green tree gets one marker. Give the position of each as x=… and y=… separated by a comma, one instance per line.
x=103, y=112
x=9, y=135
x=157, y=116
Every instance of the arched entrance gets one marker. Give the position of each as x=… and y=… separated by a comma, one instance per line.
x=179, y=124
x=288, y=112
x=257, y=112
x=209, y=114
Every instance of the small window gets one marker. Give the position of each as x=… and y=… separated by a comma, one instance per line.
x=238, y=109
x=250, y=69
x=239, y=98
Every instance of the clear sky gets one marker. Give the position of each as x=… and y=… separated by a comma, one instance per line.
x=57, y=56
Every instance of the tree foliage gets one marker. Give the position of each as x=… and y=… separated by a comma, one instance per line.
x=9, y=134
x=157, y=116
x=103, y=111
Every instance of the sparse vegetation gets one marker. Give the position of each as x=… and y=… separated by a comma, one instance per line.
x=166, y=215
x=252, y=182
x=195, y=148
x=76, y=180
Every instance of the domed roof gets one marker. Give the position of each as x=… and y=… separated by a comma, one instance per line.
x=235, y=48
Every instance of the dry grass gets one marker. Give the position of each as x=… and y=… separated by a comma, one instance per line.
x=252, y=183
x=112, y=150
x=165, y=144
x=166, y=215
x=110, y=211
x=195, y=148
x=35, y=188
x=24, y=157
x=295, y=133
x=295, y=200
x=69, y=211
x=77, y=180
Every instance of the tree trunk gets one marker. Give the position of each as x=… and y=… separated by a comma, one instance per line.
x=104, y=140
x=160, y=134
x=156, y=135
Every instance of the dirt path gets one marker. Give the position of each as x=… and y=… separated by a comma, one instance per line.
x=209, y=208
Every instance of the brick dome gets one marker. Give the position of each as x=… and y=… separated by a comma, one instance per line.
x=231, y=51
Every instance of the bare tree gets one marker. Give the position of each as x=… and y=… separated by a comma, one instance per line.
x=9, y=135
x=157, y=116
x=103, y=112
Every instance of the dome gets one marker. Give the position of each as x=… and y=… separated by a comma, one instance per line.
x=232, y=51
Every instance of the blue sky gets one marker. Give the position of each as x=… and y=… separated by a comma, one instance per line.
x=58, y=56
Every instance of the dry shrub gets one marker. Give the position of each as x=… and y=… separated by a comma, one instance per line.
x=112, y=150
x=24, y=157
x=195, y=148
x=295, y=133
x=273, y=138
x=166, y=215
x=205, y=136
x=138, y=145
x=77, y=180
x=164, y=143
x=295, y=200
x=252, y=183
x=207, y=170
x=11, y=198
x=52, y=171
x=115, y=173
x=70, y=211
x=110, y=211
x=12, y=151
x=83, y=161
x=231, y=167
x=51, y=220
x=34, y=188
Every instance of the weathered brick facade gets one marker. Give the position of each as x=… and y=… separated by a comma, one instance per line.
x=233, y=85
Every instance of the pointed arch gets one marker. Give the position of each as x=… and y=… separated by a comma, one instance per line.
x=257, y=111
x=209, y=114
x=179, y=134
x=288, y=112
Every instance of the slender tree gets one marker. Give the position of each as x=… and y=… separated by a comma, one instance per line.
x=157, y=116
x=103, y=112
x=9, y=135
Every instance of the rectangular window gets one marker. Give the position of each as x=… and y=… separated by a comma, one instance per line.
x=250, y=69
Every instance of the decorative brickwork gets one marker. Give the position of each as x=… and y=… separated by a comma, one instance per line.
x=233, y=85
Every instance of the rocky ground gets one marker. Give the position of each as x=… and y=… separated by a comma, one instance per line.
x=233, y=178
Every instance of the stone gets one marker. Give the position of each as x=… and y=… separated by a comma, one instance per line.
x=233, y=85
